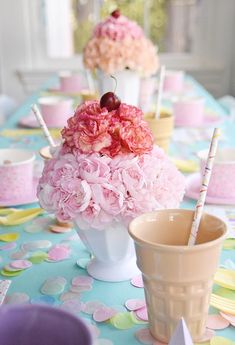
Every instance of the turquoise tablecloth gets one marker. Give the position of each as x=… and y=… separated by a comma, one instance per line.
x=112, y=294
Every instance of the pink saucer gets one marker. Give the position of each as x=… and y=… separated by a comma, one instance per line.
x=30, y=122
x=22, y=200
x=210, y=119
x=193, y=184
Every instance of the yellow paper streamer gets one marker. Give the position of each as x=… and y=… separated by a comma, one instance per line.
x=16, y=217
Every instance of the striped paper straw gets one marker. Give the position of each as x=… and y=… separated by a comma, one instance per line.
x=4, y=286
x=203, y=190
x=43, y=125
x=160, y=89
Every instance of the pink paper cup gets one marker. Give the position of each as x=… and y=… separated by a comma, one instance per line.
x=70, y=82
x=174, y=81
x=16, y=173
x=56, y=110
x=222, y=176
x=189, y=112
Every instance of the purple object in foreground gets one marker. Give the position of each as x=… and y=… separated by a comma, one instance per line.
x=41, y=325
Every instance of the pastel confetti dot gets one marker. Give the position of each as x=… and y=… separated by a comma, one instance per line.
x=8, y=246
x=21, y=264
x=137, y=281
x=216, y=321
x=122, y=321
x=59, y=229
x=136, y=320
x=69, y=295
x=78, y=289
x=144, y=336
x=10, y=273
x=43, y=300
x=9, y=237
x=142, y=314
x=82, y=280
x=38, y=257
x=221, y=341
x=103, y=341
x=33, y=245
x=53, y=286
x=229, y=317
x=135, y=304
x=20, y=254
x=103, y=314
x=72, y=305
x=16, y=298
x=91, y=306
x=83, y=262
x=58, y=253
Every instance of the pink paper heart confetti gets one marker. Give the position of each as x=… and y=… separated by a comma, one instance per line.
x=59, y=229
x=8, y=246
x=21, y=264
x=216, y=321
x=103, y=314
x=144, y=336
x=78, y=289
x=82, y=280
x=91, y=306
x=135, y=304
x=69, y=295
x=137, y=281
x=72, y=305
x=58, y=253
x=16, y=298
x=208, y=335
x=142, y=314
x=20, y=254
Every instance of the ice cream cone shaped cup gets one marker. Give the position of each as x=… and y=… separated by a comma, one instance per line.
x=162, y=128
x=177, y=278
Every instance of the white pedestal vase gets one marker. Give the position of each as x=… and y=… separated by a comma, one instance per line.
x=128, y=85
x=114, y=254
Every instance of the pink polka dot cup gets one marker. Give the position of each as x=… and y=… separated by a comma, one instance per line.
x=70, y=82
x=56, y=110
x=16, y=173
x=174, y=81
x=189, y=112
x=222, y=176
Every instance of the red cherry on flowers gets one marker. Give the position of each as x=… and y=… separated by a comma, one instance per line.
x=110, y=101
x=116, y=14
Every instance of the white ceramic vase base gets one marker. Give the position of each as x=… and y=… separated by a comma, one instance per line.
x=114, y=272
x=128, y=85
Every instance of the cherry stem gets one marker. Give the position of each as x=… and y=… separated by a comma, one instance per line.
x=115, y=83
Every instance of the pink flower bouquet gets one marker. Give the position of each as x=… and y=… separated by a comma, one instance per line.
x=107, y=169
x=119, y=43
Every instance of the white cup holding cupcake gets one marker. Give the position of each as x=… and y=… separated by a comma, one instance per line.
x=16, y=173
x=56, y=110
x=222, y=176
x=173, y=81
x=189, y=112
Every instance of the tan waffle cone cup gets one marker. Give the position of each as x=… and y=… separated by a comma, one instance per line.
x=177, y=278
x=45, y=153
x=89, y=96
x=162, y=128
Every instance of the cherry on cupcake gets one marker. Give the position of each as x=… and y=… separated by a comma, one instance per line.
x=116, y=13
x=109, y=100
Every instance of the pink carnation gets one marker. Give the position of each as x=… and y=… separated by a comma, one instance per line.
x=95, y=190
x=93, y=129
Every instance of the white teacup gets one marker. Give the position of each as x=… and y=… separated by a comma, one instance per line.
x=189, y=111
x=16, y=173
x=223, y=172
x=56, y=110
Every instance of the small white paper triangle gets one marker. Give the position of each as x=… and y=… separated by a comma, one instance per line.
x=181, y=335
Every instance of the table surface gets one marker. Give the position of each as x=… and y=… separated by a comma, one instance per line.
x=185, y=144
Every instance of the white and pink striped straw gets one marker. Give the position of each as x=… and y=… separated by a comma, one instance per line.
x=4, y=286
x=203, y=190
x=160, y=91
x=43, y=125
